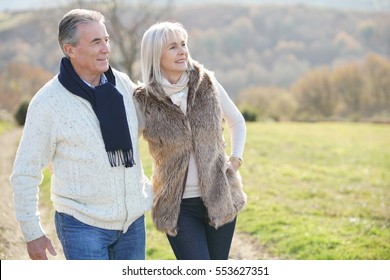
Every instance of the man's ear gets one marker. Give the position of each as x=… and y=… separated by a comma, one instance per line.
x=69, y=50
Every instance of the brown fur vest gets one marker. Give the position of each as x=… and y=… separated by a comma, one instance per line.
x=172, y=136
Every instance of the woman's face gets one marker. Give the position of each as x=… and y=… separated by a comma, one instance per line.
x=174, y=58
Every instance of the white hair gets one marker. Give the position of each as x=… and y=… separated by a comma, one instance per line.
x=68, y=26
x=155, y=39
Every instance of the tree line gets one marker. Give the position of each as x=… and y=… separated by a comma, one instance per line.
x=246, y=45
x=356, y=91
x=350, y=92
x=283, y=56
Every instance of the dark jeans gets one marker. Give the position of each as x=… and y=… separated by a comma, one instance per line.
x=196, y=239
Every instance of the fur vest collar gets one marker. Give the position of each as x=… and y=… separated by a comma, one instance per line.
x=172, y=136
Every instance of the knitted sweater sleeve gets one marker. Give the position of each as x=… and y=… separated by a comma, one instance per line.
x=140, y=117
x=235, y=122
x=35, y=151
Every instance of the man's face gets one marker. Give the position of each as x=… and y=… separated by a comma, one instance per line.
x=90, y=56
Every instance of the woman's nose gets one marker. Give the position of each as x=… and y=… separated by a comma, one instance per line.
x=182, y=50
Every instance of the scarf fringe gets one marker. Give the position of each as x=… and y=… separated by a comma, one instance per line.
x=121, y=157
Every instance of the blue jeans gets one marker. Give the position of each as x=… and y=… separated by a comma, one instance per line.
x=84, y=242
x=196, y=239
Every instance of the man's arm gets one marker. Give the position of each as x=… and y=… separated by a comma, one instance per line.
x=35, y=151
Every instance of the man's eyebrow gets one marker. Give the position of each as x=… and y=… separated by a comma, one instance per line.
x=95, y=40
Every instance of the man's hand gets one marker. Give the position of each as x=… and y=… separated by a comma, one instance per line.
x=37, y=248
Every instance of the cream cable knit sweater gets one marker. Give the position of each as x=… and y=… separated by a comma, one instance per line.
x=61, y=128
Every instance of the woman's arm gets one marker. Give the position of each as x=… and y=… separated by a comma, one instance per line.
x=236, y=124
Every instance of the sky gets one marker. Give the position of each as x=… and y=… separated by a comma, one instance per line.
x=376, y=5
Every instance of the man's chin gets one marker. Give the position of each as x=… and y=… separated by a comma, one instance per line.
x=104, y=68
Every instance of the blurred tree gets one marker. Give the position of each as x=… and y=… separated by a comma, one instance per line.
x=249, y=114
x=366, y=29
x=283, y=107
x=377, y=70
x=268, y=103
x=126, y=24
x=238, y=35
x=21, y=113
x=315, y=95
x=346, y=43
x=348, y=83
x=127, y=28
x=20, y=82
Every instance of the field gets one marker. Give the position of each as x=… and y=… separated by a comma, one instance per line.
x=319, y=191
x=315, y=191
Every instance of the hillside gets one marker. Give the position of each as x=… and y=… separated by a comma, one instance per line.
x=246, y=45
x=271, y=45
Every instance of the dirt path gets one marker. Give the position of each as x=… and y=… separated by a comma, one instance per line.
x=12, y=245
x=11, y=241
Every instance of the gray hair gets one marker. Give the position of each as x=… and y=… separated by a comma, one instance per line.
x=67, y=28
x=155, y=39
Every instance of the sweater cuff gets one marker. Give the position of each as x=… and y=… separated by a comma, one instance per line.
x=32, y=230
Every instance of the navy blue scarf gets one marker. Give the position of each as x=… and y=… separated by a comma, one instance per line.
x=107, y=103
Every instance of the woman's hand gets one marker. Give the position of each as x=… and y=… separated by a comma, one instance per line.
x=234, y=163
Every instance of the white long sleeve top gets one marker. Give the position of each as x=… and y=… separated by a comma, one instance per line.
x=62, y=129
x=235, y=123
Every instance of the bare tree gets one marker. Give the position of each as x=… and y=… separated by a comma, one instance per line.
x=126, y=23
x=127, y=30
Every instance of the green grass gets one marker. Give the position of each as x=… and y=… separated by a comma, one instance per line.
x=318, y=191
x=157, y=247
x=4, y=126
x=315, y=191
